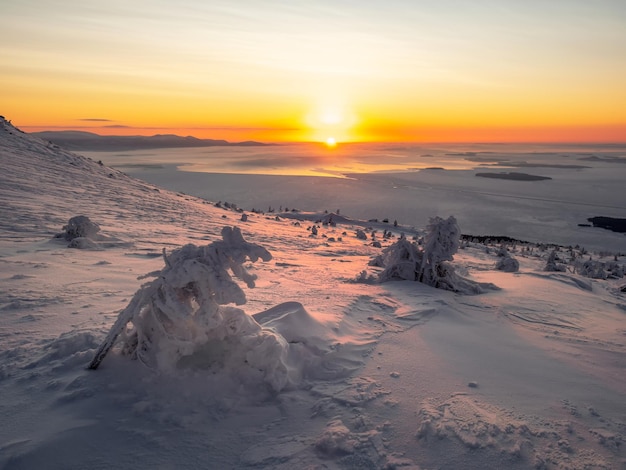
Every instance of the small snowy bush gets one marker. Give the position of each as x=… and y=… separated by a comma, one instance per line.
x=360, y=234
x=592, y=269
x=79, y=227
x=400, y=260
x=507, y=264
x=552, y=265
x=615, y=270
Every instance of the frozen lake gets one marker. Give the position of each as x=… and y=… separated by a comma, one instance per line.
x=410, y=183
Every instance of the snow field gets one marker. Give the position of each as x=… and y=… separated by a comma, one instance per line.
x=393, y=375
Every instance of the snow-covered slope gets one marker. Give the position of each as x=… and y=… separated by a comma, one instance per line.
x=393, y=375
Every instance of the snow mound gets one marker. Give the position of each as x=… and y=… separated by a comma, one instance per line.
x=68, y=350
x=314, y=351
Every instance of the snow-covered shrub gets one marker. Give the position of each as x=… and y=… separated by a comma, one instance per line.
x=552, y=265
x=400, y=260
x=366, y=278
x=503, y=251
x=507, y=264
x=378, y=260
x=615, y=270
x=181, y=318
x=429, y=263
x=600, y=270
x=79, y=226
x=592, y=269
x=360, y=234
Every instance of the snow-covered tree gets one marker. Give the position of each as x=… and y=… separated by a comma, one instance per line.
x=506, y=262
x=440, y=244
x=182, y=317
x=592, y=269
x=428, y=263
x=552, y=264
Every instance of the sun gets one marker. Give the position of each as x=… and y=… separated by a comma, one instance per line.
x=330, y=122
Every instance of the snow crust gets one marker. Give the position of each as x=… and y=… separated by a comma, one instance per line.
x=365, y=375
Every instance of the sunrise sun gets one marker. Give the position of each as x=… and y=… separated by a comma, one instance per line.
x=331, y=142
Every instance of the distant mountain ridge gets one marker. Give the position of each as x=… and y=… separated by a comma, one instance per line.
x=80, y=140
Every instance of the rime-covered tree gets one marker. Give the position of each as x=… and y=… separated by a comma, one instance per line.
x=440, y=244
x=552, y=264
x=430, y=263
x=184, y=311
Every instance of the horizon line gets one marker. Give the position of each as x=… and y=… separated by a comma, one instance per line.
x=172, y=131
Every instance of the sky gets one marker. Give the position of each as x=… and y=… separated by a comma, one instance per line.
x=367, y=70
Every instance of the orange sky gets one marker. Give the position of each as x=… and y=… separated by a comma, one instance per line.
x=396, y=70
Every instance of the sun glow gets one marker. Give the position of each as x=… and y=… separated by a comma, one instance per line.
x=301, y=74
x=330, y=123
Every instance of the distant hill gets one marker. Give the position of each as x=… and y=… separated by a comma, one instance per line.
x=78, y=140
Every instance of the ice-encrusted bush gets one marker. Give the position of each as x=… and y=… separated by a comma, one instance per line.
x=552, y=264
x=600, y=270
x=591, y=269
x=360, y=234
x=400, y=260
x=615, y=270
x=507, y=264
x=181, y=318
x=79, y=226
x=428, y=263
